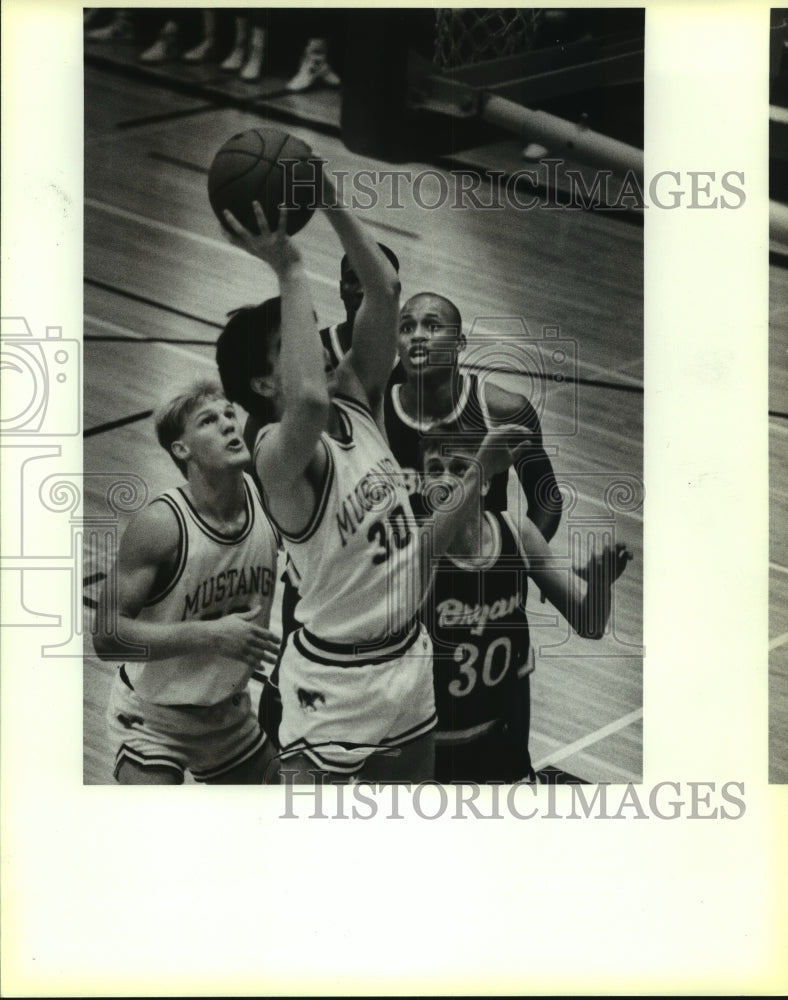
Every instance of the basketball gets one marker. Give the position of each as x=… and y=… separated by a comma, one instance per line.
x=247, y=168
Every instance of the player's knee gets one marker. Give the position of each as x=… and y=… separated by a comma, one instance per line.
x=129, y=773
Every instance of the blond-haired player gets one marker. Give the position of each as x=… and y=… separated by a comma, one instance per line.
x=187, y=607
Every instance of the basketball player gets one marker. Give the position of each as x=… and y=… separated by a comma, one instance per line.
x=428, y=387
x=336, y=340
x=436, y=390
x=356, y=679
x=476, y=616
x=188, y=606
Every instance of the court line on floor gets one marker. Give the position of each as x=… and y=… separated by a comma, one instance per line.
x=776, y=425
x=135, y=296
x=114, y=424
x=778, y=568
x=778, y=641
x=586, y=741
x=637, y=388
x=175, y=161
x=628, y=386
x=165, y=116
x=221, y=244
x=263, y=105
x=197, y=169
x=636, y=363
x=180, y=346
x=208, y=241
x=213, y=89
x=125, y=339
x=778, y=258
x=124, y=335
x=626, y=381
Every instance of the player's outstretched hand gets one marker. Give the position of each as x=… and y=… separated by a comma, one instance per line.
x=275, y=248
x=608, y=565
x=501, y=447
x=239, y=637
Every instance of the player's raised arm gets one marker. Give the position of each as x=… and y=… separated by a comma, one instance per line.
x=495, y=455
x=533, y=466
x=291, y=444
x=584, y=597
x=375, y=327
x=147, y=553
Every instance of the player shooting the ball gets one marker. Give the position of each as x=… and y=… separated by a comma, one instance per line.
x=356, y=679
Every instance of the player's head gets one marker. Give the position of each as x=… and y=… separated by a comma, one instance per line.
x=430, y=335
x=350, y=290
x=247, y=354
x=200, y=425
x=448, y=450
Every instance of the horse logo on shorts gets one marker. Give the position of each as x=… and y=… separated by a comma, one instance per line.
x=308, y=699
x=130, y=721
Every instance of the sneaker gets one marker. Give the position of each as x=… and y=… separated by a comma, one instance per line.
x=118, y=30
x=199, y=53
x=253, y=67
x=234, y=61
x=163, y=48
x=314, y=68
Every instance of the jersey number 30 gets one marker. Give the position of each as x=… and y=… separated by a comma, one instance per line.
x=394, y=529
x=466, y=656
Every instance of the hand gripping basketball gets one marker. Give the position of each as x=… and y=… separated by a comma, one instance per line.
x=276, y=249
x=270, y=167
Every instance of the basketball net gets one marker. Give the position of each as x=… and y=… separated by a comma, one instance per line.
x=465, y=36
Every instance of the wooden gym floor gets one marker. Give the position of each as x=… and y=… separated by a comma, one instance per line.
x=778, y=519
x=159, y=281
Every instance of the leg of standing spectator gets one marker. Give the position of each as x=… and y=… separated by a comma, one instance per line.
x=200, y=52
x=235, y=59
x=253, y=65
x=166, y=40
x=117, y=29
x=326, y=31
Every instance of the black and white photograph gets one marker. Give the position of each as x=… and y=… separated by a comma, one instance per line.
x=393, y=418
x=484, y=169
x=778, y=395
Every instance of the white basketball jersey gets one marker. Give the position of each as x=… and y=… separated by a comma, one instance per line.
x=357, y=558
x=216, y=575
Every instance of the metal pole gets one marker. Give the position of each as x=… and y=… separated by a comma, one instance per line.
x=562, y=137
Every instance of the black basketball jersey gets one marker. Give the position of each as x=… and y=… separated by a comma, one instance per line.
x=405, y=433
x=476, y=618
x=329, y=337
